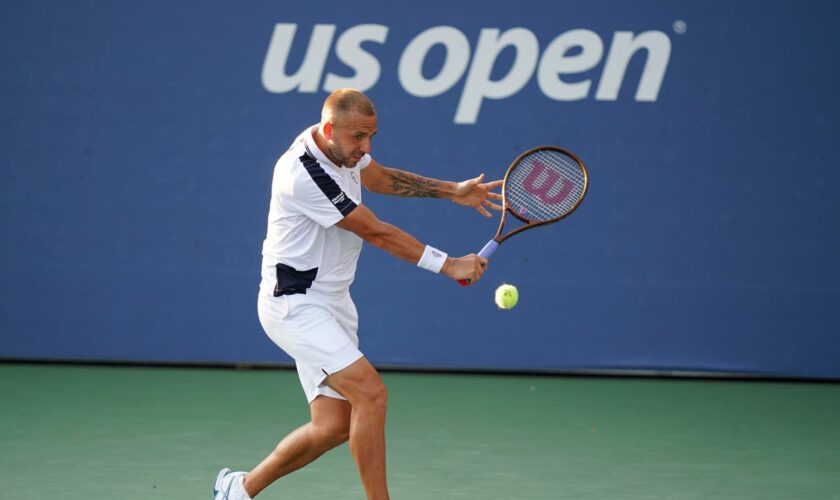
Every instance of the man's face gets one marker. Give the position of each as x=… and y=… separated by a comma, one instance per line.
x=351, y=137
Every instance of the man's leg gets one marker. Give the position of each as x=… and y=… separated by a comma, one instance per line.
x=363, y=388
x=329, y=428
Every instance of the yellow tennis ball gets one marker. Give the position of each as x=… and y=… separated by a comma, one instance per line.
x=507, y=296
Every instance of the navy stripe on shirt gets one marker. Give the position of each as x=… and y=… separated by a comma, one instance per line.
x=290, y=281
x=327, y=185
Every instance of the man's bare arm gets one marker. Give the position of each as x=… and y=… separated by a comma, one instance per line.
x=402, y=245
x=474, y=192
x=385, y=180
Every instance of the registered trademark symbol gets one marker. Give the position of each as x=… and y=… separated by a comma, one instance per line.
x=680, y=27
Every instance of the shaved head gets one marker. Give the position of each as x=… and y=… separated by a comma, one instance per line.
x=343, y=101
x=348, y=124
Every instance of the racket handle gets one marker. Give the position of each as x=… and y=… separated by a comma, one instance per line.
x=488, y=250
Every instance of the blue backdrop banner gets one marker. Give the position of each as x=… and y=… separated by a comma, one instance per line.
x=138, y=142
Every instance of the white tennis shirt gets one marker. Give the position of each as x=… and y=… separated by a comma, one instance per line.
x=303, y=250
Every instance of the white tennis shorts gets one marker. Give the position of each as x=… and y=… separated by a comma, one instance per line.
x=319, y=333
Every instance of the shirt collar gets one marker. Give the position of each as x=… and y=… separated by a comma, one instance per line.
x=313, y=148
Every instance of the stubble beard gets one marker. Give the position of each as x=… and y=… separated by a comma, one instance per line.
x=338, y=156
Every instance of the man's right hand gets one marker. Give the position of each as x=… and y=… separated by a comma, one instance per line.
x=469, y=267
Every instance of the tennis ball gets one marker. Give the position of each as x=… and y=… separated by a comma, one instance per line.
x=506, y=296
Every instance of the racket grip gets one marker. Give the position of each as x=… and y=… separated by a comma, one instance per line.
x=488, y=250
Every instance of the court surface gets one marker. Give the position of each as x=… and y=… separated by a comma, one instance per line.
x=82, y=432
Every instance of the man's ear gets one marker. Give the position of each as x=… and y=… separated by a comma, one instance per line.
x=328, y=130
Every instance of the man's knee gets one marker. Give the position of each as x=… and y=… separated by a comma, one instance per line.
x=332, y=433
x=330, y=420
x=374, y=398
x=361, y=385
x=379, y=394
x=371, y=396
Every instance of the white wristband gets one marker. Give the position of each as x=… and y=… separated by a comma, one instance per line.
x=432, y=259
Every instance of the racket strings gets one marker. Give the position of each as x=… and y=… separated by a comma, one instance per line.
x=545, y=185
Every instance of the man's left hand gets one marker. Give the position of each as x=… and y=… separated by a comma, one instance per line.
x=476, y=193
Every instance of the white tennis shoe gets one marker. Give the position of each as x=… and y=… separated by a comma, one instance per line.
x=229, y=486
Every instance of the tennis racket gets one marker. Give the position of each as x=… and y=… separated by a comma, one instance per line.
x=543, y=185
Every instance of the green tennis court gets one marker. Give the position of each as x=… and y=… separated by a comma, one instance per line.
x=81, y=432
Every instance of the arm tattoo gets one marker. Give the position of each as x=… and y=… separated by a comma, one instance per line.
x=405, y=184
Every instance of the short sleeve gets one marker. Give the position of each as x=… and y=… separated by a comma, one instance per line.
x=364, y=162
x=319, y=196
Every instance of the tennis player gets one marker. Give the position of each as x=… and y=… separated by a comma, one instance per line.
x=316, y=226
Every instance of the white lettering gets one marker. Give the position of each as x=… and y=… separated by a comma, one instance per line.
x=410, y=70
x=555, y=62
x=349, y=50
x=624, y=45
x=479, y=86
x=308, y=76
